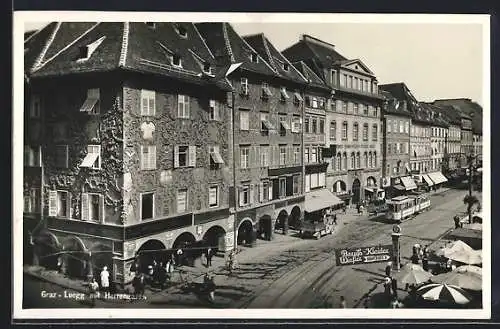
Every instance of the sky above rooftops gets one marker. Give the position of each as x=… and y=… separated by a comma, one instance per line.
x=438, y=60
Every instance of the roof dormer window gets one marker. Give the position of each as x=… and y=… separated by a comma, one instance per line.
x=286, y=67
x=151, y=25
x=86, y=51
x=175, y=60
x=254, y=58
x=207, y=68
x=181, y=31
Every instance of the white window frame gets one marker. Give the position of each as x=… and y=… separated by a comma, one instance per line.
x=153, y=206
x=283, y=155
x=186, y=201
x=296, y=154
x=244, y=86
x=35, y=106
x=210, y=199
x=148, y=96
x=365, y=132
x=345, y=128
x=183, y=107
x=282, y=192
x=333, y=130
x=173, y=57
x=91, y=149
x=314, y=102
x=374, y=132
x=244, y=190
x=296, y=184
x=244, y=157
x=214, y=111
x=314, y=154
x=264, y=156
x=306, y=154
x=100, y=207
x=244, y=119
x=148, y=158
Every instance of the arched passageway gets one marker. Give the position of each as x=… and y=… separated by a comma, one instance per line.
x=265, y=228
x=246, y=233
x=295, y=218
x=190, y=249
x=282, y=221
x=215, y=237
x=356, y=191
x=76, y=258
x=149, y=252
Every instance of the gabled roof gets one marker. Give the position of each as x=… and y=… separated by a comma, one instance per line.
x=269, y=53
x=402, y=93
x=229, y=47
x=437, y=118
x=358, y=61
x=452, y=116
x=309, y=74
x=55, y=50
x=394, y=106
x=466, y=106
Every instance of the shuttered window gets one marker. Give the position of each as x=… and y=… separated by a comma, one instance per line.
x=148, y=103
x=147, y=205
x=92, y=207
x=148, y=157
x=182, y=201
x=183, y=107
x=184, y=156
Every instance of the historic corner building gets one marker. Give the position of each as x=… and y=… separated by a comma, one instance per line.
x=395, y=146
x=267, y=107
x=352, y=118
x=128, y=145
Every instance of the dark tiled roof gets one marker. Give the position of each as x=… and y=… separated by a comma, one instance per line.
x=452, y=116
x=229, y=47
x=309, y=74
x=266, y=50
x=394, y=106
x=467, y=107
x=131, y=46
x=437, y=119
x=402, y=93
x=321, y=53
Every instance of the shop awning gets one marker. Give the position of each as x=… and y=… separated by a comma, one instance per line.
x=437, y=177
x=465, y=233
x=399, y=187
x=89, y=160
x=428, y=180
x=408, y=183
x=320, y=199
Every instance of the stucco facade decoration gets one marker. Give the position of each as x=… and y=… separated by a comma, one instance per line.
x=352, y=119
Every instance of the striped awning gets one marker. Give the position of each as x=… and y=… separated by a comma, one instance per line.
x=428, y=180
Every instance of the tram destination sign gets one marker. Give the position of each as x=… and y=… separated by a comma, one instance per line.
x=364, y=255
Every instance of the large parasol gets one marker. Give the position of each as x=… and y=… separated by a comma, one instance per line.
x=467, y=257
x=455, y=246
x=444, y=293
x=413, y=274
x=462, y=277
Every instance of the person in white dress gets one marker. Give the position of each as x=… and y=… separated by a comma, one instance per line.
x=105, y=279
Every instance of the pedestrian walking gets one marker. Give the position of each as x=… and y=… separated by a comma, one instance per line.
x=343, y=303
x=414, y=258
x=394, y=284
x=139, y=282
x=344, y=208
x=180, y=257
x=388, y=269
x=209, y=255
x=335, y=219
x=425, y=262
x=387, y=286
x=105, y=279
x=93, y=287
x=457, y=221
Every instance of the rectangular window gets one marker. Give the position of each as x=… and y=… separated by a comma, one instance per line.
x=395, y=126
x=314, y=180
x=148, y=157
x=182, y=201
x=343, y=82
x=401, y=127
x=148, y=98
x=95, y=207
x=213, y=196
x=296, y=186
x=356, y=83
x=356, y=108
x=314, y=127
x=321, y=126
x=215, y=157
x=306, y=125
x=306, y=155
x=407, y=126
x=314, y=154
x=282, y=182
x=355, y=131
x=344, y=130
x=365, y=132
x=344, y=107
x=244, y=195
x=244, y=86
x=333, y=130
x=314, y=103
x=244, y=120
x=264, y=156
x=63, y=204
x=35, y=107
x=61, y=160
x=265, y=191
x=296, y=154
x=93, y=157
x=296, y=125
x=282, y=155
x=350, y=82
x=147, y=206
x=183, y=108
x=32, y=156
x=214, y=110
x=184, y=156
x=307, y=186
x=322, y=179
x=244, y=156
x=388, y=125
x=266, y=92
x=374, y=132
x=333, y=78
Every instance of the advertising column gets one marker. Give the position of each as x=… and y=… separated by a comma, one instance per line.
x=396, y=233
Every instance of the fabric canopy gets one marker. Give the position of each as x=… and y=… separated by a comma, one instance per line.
x=408, y=183
x=320, y=199
x=437, y=177
x=428, y=180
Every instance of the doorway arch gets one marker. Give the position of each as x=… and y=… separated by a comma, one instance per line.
x=281, y=221
x=76, y=257
x=186, y=241
x=215, y=238
x=295, y=218
x=265, y=227
x=150, y=251
x=356, y=191
x=245, y=232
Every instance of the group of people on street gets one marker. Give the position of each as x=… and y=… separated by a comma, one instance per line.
x=420, y=255
x=94, y=286
x=391, y=287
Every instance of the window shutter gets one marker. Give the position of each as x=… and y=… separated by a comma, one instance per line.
x=192, y=156
x=240, y=196
x=101, y=208
x=152, y=104
x=152, y=157
x=68, y=206
x=308, y=183
x=270, y=196
x=261, y=192
x=180, y=106
x=144, y=107
x=85, y=206
x=52, y=203
x=256, y=160
x=176, y=156
x=251, y=193
x=187, y=106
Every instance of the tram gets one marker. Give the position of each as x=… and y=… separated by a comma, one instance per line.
x=402, y=207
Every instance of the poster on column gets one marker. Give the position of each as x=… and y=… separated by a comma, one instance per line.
x=363, y=255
